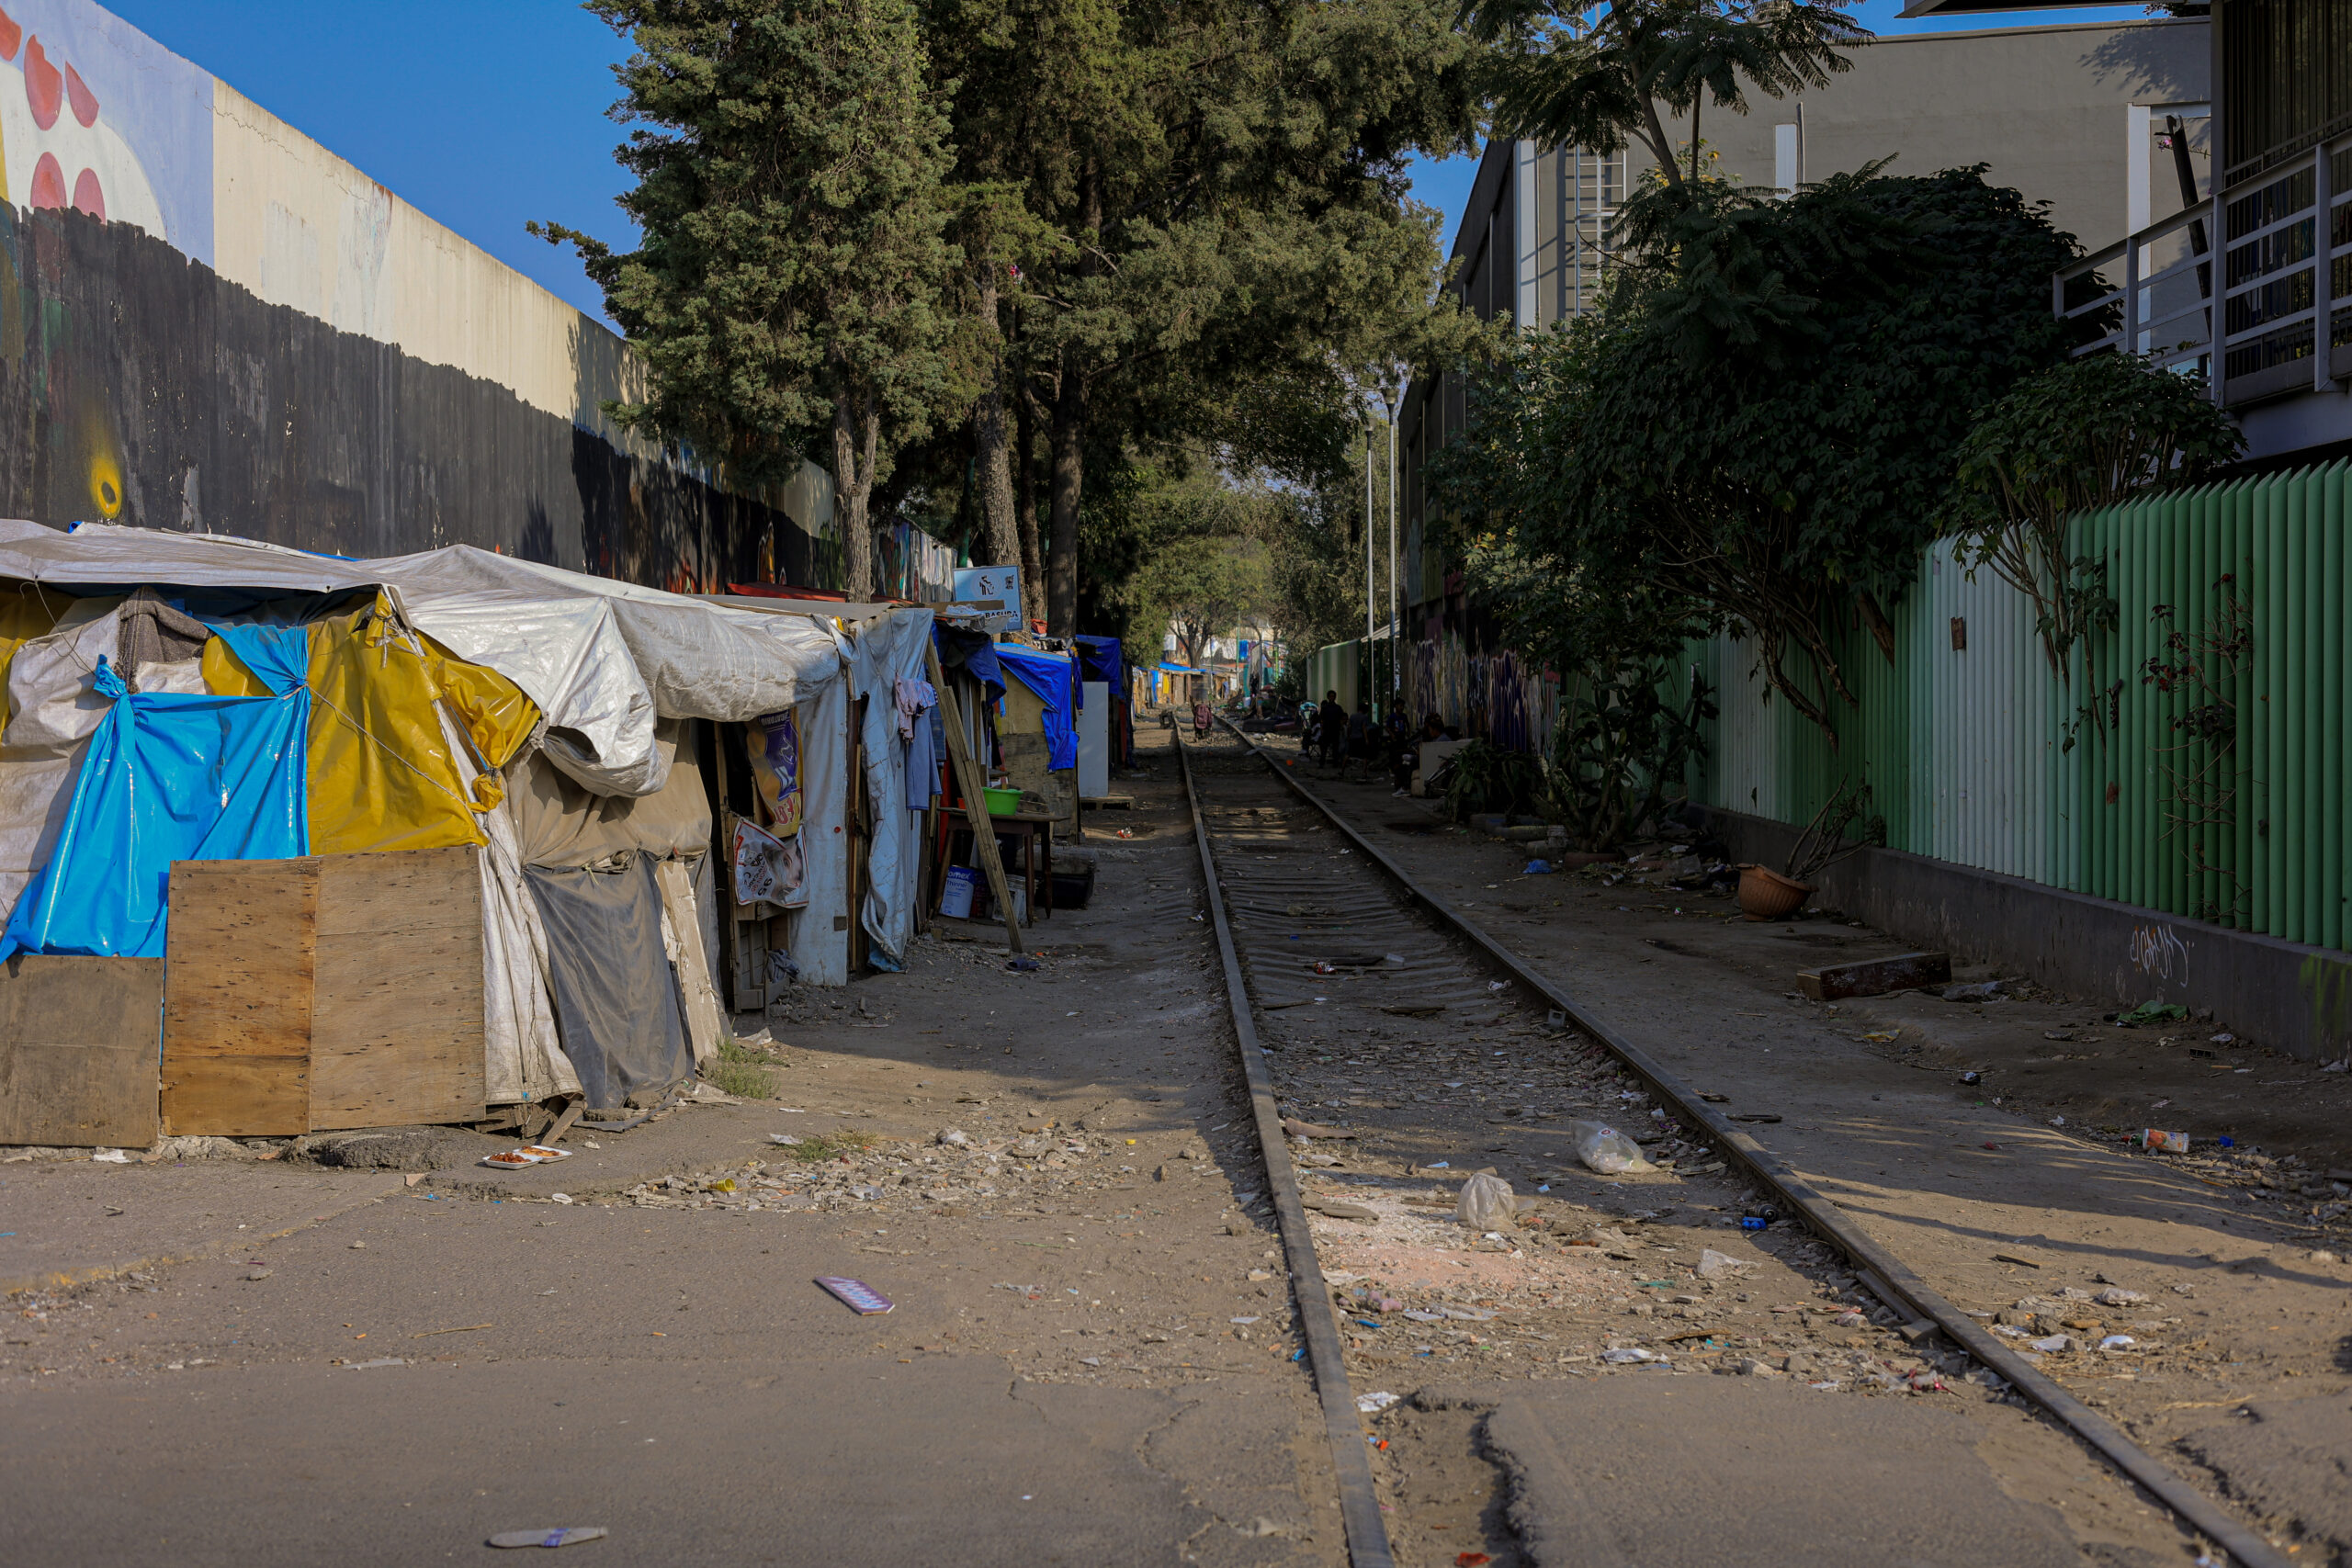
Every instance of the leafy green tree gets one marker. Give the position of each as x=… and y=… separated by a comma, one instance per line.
x=1223, y=182
x=1569, y=75
x=1767, y=416
x=785, y=296
x=2071, y=440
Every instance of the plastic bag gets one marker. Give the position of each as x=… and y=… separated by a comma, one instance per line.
x=1605, y=1150
x=1486, y=1203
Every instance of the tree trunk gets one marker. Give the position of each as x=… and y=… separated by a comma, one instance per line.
x=852, y=488
x=1033, y=558
x=1070, y=430
x=1069, y=480
x=1004, y=542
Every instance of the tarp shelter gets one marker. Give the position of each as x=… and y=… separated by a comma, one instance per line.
x=178, y=698
x=1102, y=658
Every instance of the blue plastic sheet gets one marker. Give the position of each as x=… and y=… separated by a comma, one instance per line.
x=168, y=777
x=1052, y=677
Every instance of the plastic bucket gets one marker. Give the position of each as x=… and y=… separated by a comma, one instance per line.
x=1002, y=802
x=955, y=903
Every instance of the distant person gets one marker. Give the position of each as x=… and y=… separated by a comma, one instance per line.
x=1200, y=720
x=1331, y=728
x=1360, y=733
x=1404, y=752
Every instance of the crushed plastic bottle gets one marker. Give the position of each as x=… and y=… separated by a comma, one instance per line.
x=1604, y=1148
x=1486, y=1203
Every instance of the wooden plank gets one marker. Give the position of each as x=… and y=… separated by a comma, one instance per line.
x=704, y=1024
x=397, y=1025
x=77, y=1051
x=969, y=779
x=237, y=997
x=1876, y=977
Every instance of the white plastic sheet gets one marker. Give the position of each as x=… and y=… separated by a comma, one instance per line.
x=889, y=649
x=602, y=659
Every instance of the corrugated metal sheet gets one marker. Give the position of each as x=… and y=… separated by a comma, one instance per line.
x=1967, y=750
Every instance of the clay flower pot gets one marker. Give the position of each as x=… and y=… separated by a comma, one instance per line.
x=1765, y=895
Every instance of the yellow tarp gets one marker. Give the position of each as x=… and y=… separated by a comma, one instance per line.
x=25, y=613
x=381, y=776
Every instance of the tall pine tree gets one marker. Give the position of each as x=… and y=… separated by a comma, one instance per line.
x=787, y=292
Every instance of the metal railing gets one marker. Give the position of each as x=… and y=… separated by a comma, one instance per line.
x=2284, y=282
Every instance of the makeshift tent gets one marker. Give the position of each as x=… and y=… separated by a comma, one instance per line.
x=1103, y=658
x=175, y=696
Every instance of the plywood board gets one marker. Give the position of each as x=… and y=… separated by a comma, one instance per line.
x=704, y=1024
x=78, y=1040
x=396, y=1033
x=239, y=958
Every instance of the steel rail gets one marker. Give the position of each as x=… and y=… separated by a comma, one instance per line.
x=1886, y=1276
x=1318, y=1322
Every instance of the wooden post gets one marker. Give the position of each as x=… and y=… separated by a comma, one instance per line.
x=969, y=780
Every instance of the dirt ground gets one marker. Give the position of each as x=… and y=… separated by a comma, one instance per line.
x=2223, y=1341
x=1048, y=1173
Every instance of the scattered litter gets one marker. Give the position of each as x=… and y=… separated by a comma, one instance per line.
x=2020, y=1262
x=859, y=1297
x=1603, y=1148
x=1245, y=1322
x=378, y=1362
x=2162, y=1142
x=1029, y=966
x=1539, y=868
x=509, y=1159
x=1627, y=1355
x=469, y=1328
x=111, y=1156
x=2225, y=1039
x=2117, y=1342
x=2152, y=1013
x=787, y=1139
x=1486, y=1203
x=1374, y=1403
x=1711, y=1263
x=541, y=1152
x=2115, y=1298
x=2055, y=1342
x=564, y=1537
x=1298, y=1129
x=1971, y=1077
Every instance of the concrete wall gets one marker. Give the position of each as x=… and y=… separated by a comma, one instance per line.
x=208, y=321
x=2283, y=995
x=2068, y=114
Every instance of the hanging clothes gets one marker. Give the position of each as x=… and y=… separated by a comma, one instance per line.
x=918, y=728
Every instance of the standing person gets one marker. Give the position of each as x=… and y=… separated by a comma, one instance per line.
x=1200, y=718
x=1404, y=752
x=1360, y=733
x=1331, y=728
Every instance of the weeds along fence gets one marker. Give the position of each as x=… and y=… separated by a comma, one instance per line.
x=2193, y=757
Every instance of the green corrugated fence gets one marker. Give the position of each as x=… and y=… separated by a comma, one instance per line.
x=2215, y=791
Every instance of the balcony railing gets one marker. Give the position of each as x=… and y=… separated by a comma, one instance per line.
x=2284, y=283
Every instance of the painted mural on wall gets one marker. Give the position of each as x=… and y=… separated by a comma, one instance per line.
x=97, y=117
x=277, y=401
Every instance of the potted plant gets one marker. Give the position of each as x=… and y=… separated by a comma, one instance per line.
x=1768, y=895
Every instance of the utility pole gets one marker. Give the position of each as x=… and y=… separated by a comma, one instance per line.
x=1395, y=631
x=1371, y=650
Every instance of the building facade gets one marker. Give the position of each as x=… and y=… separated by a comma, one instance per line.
x=2077, y=116
x=211, y=322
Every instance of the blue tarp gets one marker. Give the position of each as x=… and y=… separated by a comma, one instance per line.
x=170, y=776
x=1052, y=677
x=972, y=652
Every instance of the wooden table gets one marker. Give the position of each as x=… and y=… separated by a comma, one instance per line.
x=1036, y=831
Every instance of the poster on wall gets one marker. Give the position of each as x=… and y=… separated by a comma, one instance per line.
x=768, y=870
x=775, y=769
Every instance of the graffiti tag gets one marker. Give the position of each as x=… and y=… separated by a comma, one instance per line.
x=2157, y=952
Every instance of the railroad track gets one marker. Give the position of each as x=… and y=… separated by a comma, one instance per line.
x=1335, y=960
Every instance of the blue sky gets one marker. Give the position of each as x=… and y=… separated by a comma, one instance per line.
x=484, y=115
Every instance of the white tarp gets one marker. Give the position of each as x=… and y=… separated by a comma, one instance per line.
x=602, y=659
x=889, y=649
